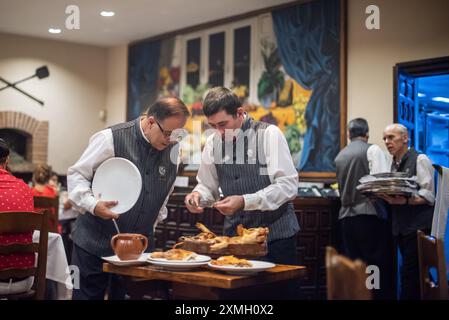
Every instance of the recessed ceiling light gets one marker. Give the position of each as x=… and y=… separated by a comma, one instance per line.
x=107, y=13
x=421, y=95
x=441, y=99
x=54, y=30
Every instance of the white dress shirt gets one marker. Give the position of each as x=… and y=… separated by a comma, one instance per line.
x=281, y=171
x=377, y=160
x=80, y=175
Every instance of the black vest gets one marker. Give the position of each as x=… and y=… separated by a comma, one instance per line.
x=158, y=172
x=241, y=169
x=408, y=219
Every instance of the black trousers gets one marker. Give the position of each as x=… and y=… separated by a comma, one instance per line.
x=94, y=283
x=68, y=227
x=408, y=247
x=367, y=237
x=283, y=251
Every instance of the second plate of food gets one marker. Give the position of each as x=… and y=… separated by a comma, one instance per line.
x=178, y=259
x=252, y=267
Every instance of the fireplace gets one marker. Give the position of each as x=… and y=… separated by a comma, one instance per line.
x=28, y=139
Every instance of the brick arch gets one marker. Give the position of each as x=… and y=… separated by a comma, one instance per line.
x=37, y=144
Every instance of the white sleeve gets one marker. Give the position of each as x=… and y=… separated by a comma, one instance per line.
x=80, y=175
x=207, y=177
x=281, y=171
x=377, y=160
x=425, y=174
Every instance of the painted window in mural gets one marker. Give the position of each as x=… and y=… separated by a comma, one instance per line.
x=242, y=59
x=193, y=62
x=216, y=59
x=285, y=68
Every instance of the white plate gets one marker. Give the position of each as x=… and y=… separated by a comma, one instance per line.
x=258, y=266
x=118, y=179
x=198, y=259
x=178, y=265
x=116, y=261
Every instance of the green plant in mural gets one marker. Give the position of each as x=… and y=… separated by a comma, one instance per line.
x=191, y=95
x=293, y=136
x=194, y=97
x=272, y=80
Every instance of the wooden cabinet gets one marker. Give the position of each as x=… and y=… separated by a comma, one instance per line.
x=317, y=218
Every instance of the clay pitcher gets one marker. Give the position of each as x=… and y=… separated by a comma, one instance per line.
x=129, y=246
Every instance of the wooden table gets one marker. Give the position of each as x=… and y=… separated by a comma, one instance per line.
x=204, y=283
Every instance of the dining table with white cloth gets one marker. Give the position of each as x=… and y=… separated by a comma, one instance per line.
x=57, y=266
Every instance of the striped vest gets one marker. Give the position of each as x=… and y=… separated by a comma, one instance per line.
x=241, y=169
x=94, y=234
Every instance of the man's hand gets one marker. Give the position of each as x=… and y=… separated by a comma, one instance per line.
x=192, y=202
x=102, y=210
x=393, y=199
x=230, y=205
x=67, y=205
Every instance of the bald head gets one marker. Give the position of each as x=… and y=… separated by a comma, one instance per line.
x=397, y=127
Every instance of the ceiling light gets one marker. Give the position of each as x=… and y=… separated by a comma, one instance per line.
x=421, y=95
x=54, y=30
x=107, y=13
x=441, y=99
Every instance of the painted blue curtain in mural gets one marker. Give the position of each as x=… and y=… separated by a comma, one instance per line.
x=143, y=64
x=308, y=39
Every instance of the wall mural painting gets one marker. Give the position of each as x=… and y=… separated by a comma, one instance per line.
x=282, y=100
x=298, y=87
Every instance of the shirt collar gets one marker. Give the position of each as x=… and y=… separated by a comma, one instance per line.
x=141, y=131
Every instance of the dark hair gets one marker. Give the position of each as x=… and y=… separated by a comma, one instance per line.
x=42, y=173
x=167, y=107
x=221, y=98
x=358, y=128
x=4, y=151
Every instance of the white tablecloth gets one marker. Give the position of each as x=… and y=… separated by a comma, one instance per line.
x=57, y=266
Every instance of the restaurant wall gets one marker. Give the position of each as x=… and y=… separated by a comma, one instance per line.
x=74, y=94
x=409, y=30
x=117, y=67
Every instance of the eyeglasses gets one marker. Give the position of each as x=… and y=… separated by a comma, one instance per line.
x=171, y=135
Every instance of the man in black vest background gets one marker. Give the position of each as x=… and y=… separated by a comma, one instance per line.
x=150, y=143
x=363, y=224
x=251, y=163
x=410, y=214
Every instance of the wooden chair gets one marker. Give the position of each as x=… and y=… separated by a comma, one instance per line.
x=345, y=278
x=19, y=222
x=52, y=206
x=431, y=255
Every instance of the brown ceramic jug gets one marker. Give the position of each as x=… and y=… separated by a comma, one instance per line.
x=129, y=246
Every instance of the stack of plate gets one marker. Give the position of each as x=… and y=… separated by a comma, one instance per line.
x=393, y=184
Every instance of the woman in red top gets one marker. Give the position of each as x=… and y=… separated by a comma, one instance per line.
x=41, y=177
x=15, y=195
